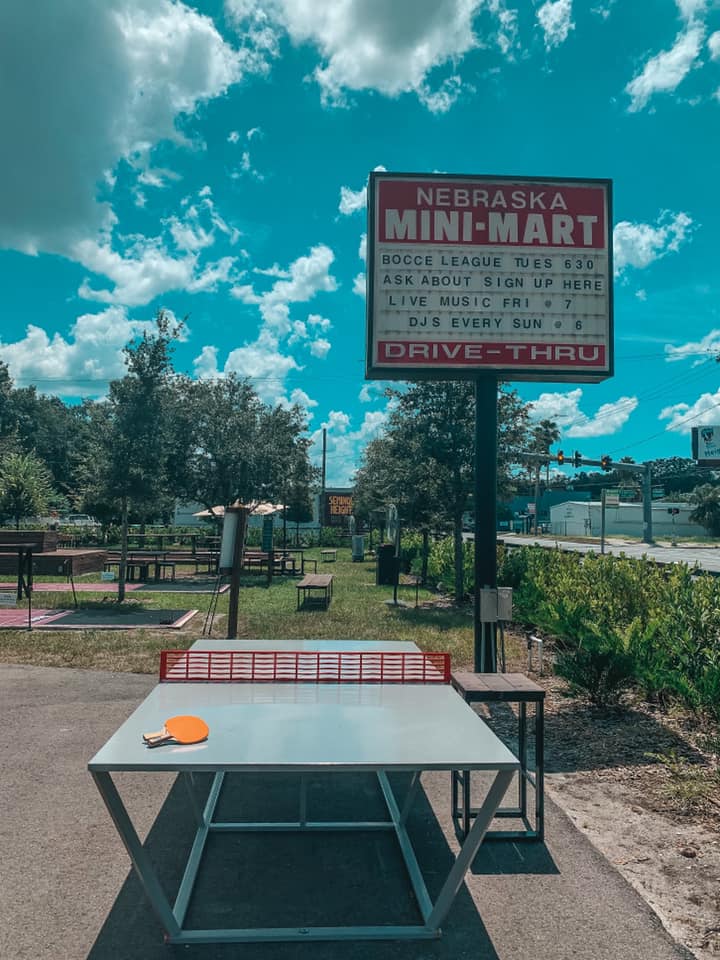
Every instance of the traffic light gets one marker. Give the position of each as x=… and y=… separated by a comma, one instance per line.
x=577, y=459
x=560, y=458
x=606, y=462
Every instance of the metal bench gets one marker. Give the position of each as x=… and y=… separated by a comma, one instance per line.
x=315, y=589
x=506, y=688
x=328, y=556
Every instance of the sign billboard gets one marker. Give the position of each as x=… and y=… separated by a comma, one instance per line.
x=338, y=508
x=706, y=446
x=477, y=274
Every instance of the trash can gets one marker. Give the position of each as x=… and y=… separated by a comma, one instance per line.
x=386, y=563
x=358, y=549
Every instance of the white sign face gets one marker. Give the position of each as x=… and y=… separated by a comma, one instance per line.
x=476, y=274
x=706, y=445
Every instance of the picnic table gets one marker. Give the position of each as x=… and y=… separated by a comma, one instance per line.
x=328, y=555
x=315, y=589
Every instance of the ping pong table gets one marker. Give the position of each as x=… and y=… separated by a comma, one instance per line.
x=332, y=725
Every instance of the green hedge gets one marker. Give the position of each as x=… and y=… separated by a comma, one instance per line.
x=618, y=622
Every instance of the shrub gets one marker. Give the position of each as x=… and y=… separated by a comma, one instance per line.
x=598, y=668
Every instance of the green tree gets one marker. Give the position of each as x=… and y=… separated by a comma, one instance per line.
x=25, y=486
x=707, y=509
x=126, y=458
x=542, y=436
x=430, y=453
x=228, y=445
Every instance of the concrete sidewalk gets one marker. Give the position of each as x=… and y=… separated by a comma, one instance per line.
x=67, y=892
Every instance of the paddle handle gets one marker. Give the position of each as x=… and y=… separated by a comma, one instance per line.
x=148, y=737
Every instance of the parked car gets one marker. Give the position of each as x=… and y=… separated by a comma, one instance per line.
x=79, y=520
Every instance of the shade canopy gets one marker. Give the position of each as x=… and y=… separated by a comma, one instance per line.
x=261, y=509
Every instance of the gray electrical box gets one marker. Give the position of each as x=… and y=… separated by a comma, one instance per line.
x=504, y=604
x=495, y=604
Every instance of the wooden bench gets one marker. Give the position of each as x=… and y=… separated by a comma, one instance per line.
x=328, y=556
x=315, y=589
x=506, y=688
x=164, y=567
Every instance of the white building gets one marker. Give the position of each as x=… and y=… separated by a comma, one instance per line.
x=583, y=519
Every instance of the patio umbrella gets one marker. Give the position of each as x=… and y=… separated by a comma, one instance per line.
x=212, y=512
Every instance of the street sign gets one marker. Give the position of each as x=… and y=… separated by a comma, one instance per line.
x=657, y=493
x=475, y=274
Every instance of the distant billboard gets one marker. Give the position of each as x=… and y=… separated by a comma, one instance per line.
x=706, y=446
x=504, y=275
x=338, y=507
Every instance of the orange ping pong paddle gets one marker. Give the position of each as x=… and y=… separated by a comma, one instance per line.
x=183, y=729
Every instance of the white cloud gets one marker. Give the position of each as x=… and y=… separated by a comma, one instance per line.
x=319, y=348
x=79, y=365
x=233, y=136
x=700, y=350
x=564, y=409
x=555, y=18
x=156, y=177
x=146, y=267
x=246, y=168
x=689, y=9
x=117, y=74
x=372, y=391
x=315, y=320
x=640, y=244
x=714, y=45
x=360, y=285
x=265, y=360
x=274, y=271
x=684, y=416
x=261, y=361
x=664, y=72
x=206, y=364
x=143, y=272
x=442, y=99
x=308, y=276
x=362, y=249
x=641, y=295
x=355, y=201
x=389, y=47
x=345, y=445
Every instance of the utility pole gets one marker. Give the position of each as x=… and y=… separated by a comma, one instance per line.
x=321, y=510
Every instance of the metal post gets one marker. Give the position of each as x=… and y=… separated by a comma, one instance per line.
x=485, y=516
x=647, y=505
x=234, y=598
x=602, y=520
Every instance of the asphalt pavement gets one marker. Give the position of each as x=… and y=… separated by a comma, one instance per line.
x=67, y=891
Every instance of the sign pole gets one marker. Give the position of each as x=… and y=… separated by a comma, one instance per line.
x=485, y=517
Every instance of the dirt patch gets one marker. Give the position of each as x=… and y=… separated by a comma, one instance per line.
x=644, y=786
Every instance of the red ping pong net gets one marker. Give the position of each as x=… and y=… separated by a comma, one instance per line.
x=302, y=666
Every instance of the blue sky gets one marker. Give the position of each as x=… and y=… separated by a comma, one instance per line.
x=211, y=159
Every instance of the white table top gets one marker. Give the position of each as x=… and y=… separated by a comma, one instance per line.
x=309, y=726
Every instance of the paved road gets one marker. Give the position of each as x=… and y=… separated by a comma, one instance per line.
x=66, y=891
x=707, y=558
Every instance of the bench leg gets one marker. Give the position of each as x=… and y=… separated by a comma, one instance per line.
x=540, y=769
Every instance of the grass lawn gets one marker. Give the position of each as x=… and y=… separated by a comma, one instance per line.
x=359, y=611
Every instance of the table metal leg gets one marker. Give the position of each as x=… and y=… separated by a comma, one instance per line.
x=136, y=852
x=469, y=848
x=522, y=757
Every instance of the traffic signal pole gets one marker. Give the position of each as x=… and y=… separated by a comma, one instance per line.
x=607, y=464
